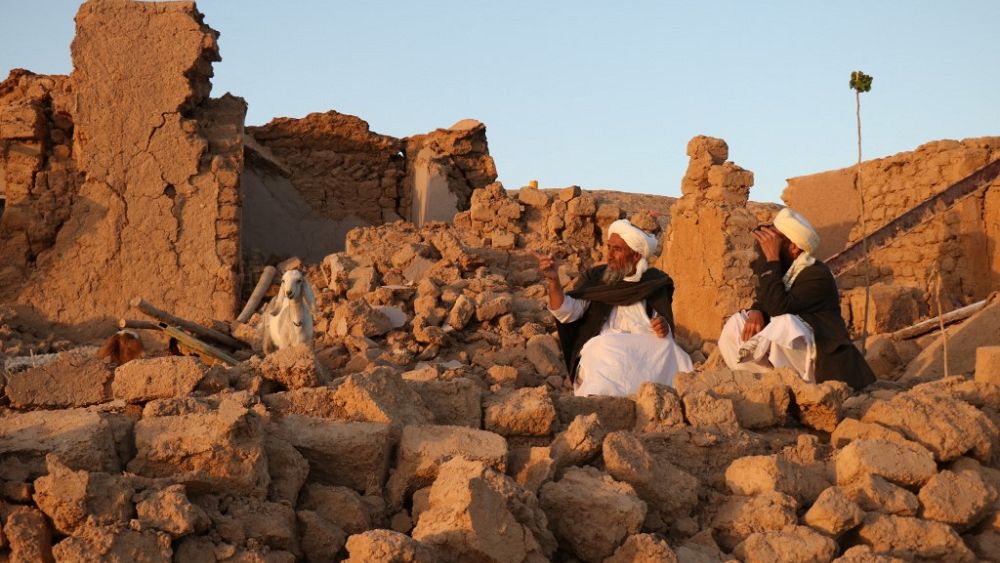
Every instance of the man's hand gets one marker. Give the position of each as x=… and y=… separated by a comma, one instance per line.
x=770, y=242
x=753, y=325
x=660, y=326
x=547, y=265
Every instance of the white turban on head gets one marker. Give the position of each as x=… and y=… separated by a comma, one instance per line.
x=638, y=240
x=798, y=230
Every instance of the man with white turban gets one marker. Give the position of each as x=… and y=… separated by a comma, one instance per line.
x=616, y=326
x=795, y=320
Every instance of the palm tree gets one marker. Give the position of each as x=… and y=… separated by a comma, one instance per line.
x=861, y=82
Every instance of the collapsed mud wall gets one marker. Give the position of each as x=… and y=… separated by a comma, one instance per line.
x=953, y=243
x=319, y=176
x=38, y=177
x=157, y=213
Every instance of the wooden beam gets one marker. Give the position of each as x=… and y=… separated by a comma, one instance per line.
x=923, y=327
x=137, y=324
x=187, y=325
x=197, y=345
x=266, y=277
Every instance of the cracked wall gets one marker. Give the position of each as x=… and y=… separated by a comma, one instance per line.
x=157, y=214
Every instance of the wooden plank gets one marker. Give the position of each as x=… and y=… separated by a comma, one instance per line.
x=138, y=324
x=266, y=277
x=187, y=325
x=197, y=345
x=923, y=327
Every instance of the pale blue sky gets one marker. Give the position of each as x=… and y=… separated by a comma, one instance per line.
x=601, y=94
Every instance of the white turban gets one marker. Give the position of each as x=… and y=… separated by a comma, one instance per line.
x=798, y=230
x=636, y=239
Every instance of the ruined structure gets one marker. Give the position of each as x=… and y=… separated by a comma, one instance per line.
x=308, y=181
x=709, y=249
x=960, y=242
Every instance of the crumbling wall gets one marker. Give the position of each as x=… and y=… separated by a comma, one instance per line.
x=38, y=177
x=349, y=176
x=158, y=212
x=952, y=243
x=442, y=170
x=709, y=248
x=338, y=165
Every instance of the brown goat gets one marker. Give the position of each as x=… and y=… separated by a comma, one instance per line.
x=121, y=347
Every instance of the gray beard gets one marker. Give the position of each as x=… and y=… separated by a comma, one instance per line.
x=613, y=275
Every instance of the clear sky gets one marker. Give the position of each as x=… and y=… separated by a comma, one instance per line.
x=601, y=94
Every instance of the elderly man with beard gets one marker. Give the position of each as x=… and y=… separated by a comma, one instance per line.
x=616, y=326
x=795, y=321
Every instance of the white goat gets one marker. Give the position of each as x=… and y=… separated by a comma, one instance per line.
x=288, y=317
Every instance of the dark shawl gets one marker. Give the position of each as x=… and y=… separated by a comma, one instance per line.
x=655, y=287
x=814, y=297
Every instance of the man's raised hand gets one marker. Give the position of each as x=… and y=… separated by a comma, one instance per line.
x=547, y=265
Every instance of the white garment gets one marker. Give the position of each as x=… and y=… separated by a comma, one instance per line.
x=626, y=353
x=803, y=261
x=786, y=341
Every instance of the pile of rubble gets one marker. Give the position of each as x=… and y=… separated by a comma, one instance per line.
x=434, y=423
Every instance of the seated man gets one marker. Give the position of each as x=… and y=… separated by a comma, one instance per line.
x=795, y=321
x=615, y=327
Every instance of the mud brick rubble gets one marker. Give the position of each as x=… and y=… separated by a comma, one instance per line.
x=432, y=419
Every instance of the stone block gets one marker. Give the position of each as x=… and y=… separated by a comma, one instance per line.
x=386, y=546
x=169, y=510
x=905, y=465
x=740, y=516
x=757, y=474
x=913, y=539
x=146, y=379
x=455, y=402
x=615, y=413
x=833, y=513
x=643, y=548
x=957, y=498
x=795, y=544
x=528, y=411
x=82, y=439
x=340, y=506
x=73, y=380
x=657, y=408
x=351, y=454
x=874, y=494
x=591, y=513
x=72, y=498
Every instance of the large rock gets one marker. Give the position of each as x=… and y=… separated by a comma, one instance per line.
x=906, y=465
x=957, y=498
x=851, y=429
x=591, y=513
x=146, y=379
x=351, y=454
x=833, y=513
x=615, y=413
x=73, y=498
x=760, y=400
x=386, y=546
x=83, y=440
x=819, y=404
x=422, y=449
x=286, y=466
x=321, y=540
x=455, y=402
x=340, y=506
x=221, y=451
x=293, y=367
x=528, y=411
x=579, y=443
x=669, y=492
x=757, y=474
x=102, y=543
x=913, y=538
x=948, y=428
x=795, y=544
x=657, y=407
x=741, y=516
x=705, y=409
x=170, y=511
x=874, y=494
x=75, y=379
x=643, y=548
x=476, y=513
x=28, y=535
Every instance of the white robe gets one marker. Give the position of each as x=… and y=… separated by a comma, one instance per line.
x=786, y=341
x=625, y=354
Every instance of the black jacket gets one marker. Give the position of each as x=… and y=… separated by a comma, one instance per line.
x=814, y=297
x=655, y=287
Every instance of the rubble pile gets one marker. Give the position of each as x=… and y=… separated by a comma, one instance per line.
x=434, y=422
